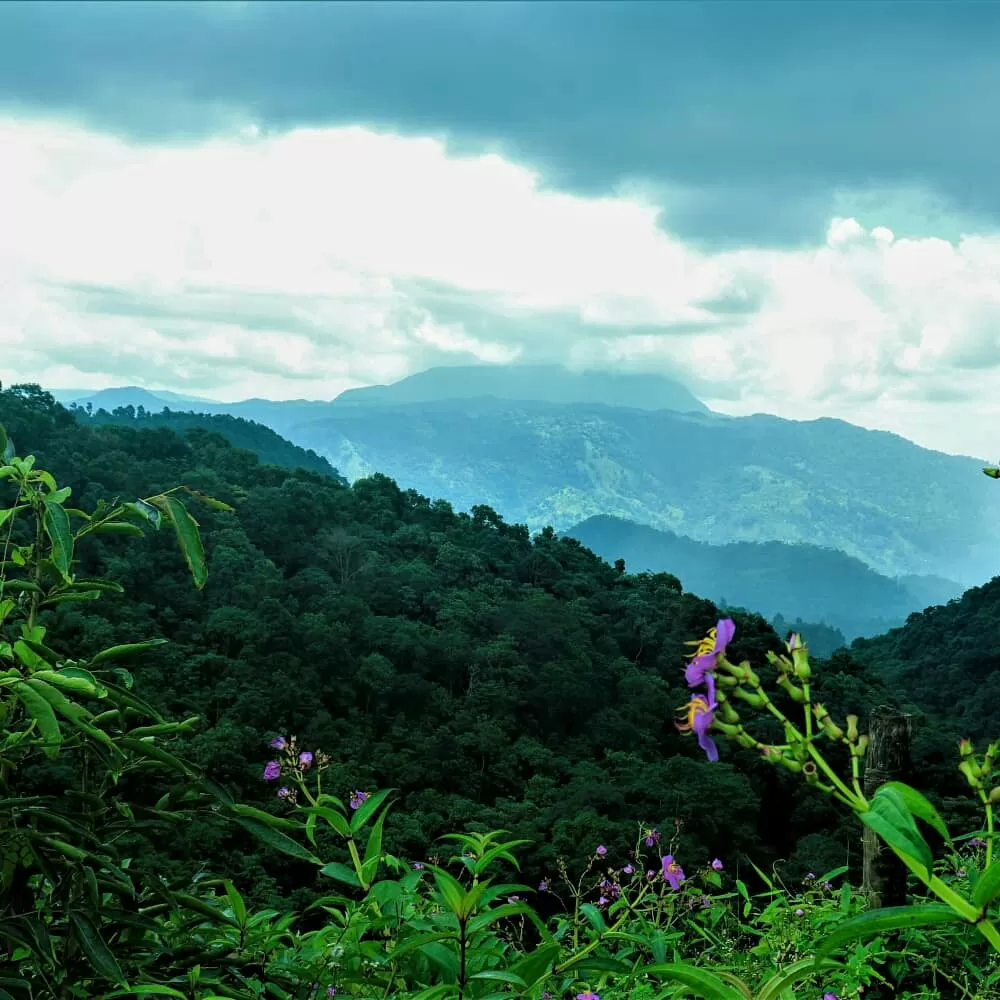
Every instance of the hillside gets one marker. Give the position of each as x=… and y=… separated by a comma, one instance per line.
x=518, y=682
x=897, y=507
x=772, y=578
x=947, y=658
x=269, y=447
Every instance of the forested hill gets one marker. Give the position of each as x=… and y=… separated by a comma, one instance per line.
x=491, y=677
x=269, y=446
x=947, y=659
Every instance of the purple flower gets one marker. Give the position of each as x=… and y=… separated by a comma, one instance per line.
x=628, y=869
x=717, y=865
x=800, y=912
x=827, y=885
x=331, y=991
x=278, y=743
x=284, y=792
x=305, y=759
x=977, y=842
x=672, y=872
x=700, y=714
x=810, y=876
x=652, y=838
x=587, y=996
x=650, y=874
x=513, y=899
x=601, y=850
x=829, y=996
x=418, y=866
x=699, y=670
x=357, y=798
x=543, y=886
x=603, y=901
x=272, y=770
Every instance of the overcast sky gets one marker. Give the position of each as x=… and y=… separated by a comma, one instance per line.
x=793, y=207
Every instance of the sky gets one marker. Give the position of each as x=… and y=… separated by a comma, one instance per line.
x=791, y=208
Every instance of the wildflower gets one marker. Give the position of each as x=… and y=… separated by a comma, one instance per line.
x=278, y=743
x=829, y=996
x=628, y=870
x=603, y=901
x=331, y=991
x=977, y=842
x=543, y=886
x=284, y=792
x=828, y=886
x=705, y=902
x=700, y=716
x=672, y=872
x=305, y=759
x=357, y=799
x=652, y=837
x=709, y=649
x=272, y=770
x=800, y=912
x=960, y=873
x=418, y=866
x=587, y=996
x=717, y=865
x=601, y=850
x=650, y=874
x=810, y=876
x=513, y=899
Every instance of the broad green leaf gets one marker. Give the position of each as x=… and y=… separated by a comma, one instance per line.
x=126, y=650
x=891, y=918
x=112, y=528
x=73, y=679
x=93, y=946
x=703, y=983
x=76, y=714
x=276, y=839
x=917, y=804
x=188, y=536
x=893, y=822
x=278, y=822
x=442, y=955
x=56, y=523
x=987, y=886
x=367, y=808
x=501, y=977
x=594, y=917
x=336, y=819
x=236, y=903
x=41, y=711
x=536, y=965
x=799, y=972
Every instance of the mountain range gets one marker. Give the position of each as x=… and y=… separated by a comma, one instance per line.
x=637, y=447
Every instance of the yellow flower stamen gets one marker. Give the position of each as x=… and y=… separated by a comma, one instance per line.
x=698, y=705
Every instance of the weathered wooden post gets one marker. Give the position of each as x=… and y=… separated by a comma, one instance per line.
x=887, y=759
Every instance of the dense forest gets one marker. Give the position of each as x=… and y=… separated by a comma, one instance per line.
x=495, y=679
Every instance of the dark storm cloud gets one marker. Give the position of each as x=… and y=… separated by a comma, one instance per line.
x=749, y=119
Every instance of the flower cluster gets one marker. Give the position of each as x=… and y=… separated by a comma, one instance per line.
x=699, y=712
x=292, y=762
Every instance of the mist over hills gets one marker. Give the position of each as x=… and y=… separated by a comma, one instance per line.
x=773, y=578
x=897, y=507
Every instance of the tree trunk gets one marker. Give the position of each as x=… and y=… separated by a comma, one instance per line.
x=887, y=759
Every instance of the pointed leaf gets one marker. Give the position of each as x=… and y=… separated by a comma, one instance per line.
x=56, y=523
x=918, y=804
x=128, y=649
x=892, y=821
x=93, y=946
x=276, y=839
x=188, y=536
x=890, y=918
x=987, y=886
x=800, y=971
x=41, y=711
x=703, y=983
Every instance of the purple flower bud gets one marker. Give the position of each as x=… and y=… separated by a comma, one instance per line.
x=717, y=865
x=272, y=770
x=543, y=886
x=628, y=870
x=602, y=901
x=513, y=899
x=977, y=842
x=829, y=996
x=278, y=743
x=650, y=874
x=601, y=850
x=284, y=792
x=652, y=838
x=357, y=798
x=418, y=866
x=331, y=991
x=587, y=996
x=827, y=885
x=305, y=759
x=811, y=877
x=800, y=912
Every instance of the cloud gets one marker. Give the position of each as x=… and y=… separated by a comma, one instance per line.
x=751, y=123
x=299, y=264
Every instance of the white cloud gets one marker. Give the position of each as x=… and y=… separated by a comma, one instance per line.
x=300, y=264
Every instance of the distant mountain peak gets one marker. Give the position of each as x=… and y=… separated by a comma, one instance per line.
x=541, y=383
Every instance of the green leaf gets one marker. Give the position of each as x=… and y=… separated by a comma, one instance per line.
x=278, y=822
x=126, y=650
x=56, y=522
x=794, y=974
x=703, y=983
x=890, y=918
x=276, y=839
x=501, y=977
x=188, y=536
x=112, y=528
x=893, y=822
x=917, y=804
x=367, y=808
x=594, y=917
x=76, y=714
x=341, y=873
x=147, y=989
x=93, y=946
x=236, y=903
x=336, y=819
x=41, y=711
x=74, y=679
x=442, y=955
x=987, y=886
